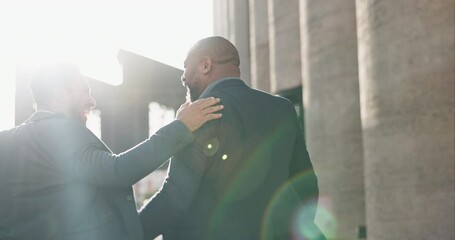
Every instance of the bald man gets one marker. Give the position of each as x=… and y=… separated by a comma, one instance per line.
x=247, y=175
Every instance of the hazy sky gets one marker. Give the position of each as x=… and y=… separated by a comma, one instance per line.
x=90, y=32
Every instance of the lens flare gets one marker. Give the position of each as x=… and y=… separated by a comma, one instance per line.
x=304, y=227
x=287, y=215
x=325, y=217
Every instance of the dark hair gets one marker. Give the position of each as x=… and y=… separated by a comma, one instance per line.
x=50, y=77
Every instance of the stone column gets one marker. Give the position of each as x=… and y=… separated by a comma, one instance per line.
x=284, y=34
x=406, y=65
x=231, y=20
x=221, y=23
x=332, y=113
x=259, y=45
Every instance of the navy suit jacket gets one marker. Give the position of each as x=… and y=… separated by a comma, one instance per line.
x=247, y=176
x=59, y=181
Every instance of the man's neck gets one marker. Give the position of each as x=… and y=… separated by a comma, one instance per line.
x=51, y=109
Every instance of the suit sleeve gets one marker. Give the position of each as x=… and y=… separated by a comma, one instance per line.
x=302, y=175
x=92, y=162
x=184, y=176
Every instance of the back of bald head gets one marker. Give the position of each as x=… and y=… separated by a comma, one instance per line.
x=219, y=49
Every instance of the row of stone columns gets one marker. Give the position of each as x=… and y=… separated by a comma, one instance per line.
x=378, y=80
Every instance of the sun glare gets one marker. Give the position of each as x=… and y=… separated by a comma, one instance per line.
x=90, y=33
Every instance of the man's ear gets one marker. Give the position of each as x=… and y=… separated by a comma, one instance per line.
x=206, y=65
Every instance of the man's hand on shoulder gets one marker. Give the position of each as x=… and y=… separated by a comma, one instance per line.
x=195, y=114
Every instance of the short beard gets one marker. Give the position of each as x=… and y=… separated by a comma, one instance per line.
x=192, y=94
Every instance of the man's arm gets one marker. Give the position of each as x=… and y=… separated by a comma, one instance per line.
x=303, y=177
x=305, y=185
x=93, y=163
x=177, y=193
x=86, y=159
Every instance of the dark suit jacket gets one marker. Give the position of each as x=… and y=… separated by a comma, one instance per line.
x=247, y=175
x=59, y=181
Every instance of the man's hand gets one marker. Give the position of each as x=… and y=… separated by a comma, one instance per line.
x=195, y=114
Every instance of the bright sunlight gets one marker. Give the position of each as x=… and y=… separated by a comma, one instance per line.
x=90, y=32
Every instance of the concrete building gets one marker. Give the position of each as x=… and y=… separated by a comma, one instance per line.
x=377, y=83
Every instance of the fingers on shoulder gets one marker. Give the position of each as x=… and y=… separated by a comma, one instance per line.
x=213, y=109
x=207, y=102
